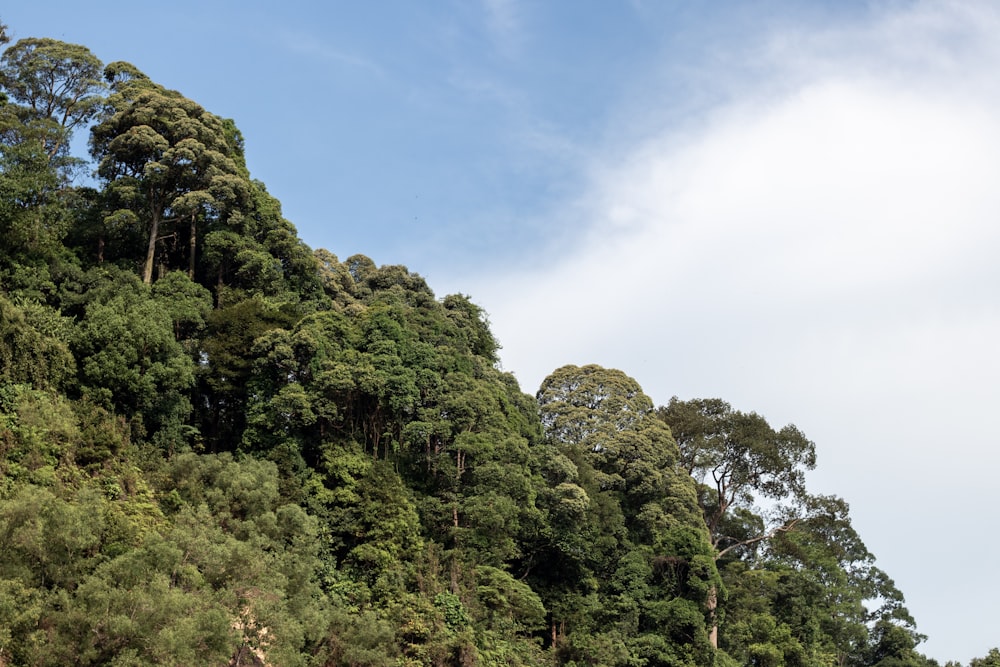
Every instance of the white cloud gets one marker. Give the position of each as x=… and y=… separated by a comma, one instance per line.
x=824, y=253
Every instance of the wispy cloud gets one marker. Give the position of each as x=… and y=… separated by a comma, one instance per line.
x=313, y=47
x=821, y=248
x=504, y=23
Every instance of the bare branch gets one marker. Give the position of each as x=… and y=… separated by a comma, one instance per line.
x=760, y=538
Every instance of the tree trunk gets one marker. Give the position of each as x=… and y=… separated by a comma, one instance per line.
x=154, y=230
x=194, y=238
x=459, y=469
x=711, y=604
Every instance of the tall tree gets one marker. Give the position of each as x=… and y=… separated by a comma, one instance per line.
x=28, y=353
x=603, y=415
x=50, y=89
x=165, y=160
x=648, y=547
x=129, y=357
x=58, y=84
x=737, y=459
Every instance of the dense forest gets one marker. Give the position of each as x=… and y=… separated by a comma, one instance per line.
x=221, y=447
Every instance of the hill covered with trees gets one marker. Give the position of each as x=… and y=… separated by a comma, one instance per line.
x=221, y=447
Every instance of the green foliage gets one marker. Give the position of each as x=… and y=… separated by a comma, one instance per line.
x=130, y=360
x=737, y=458
x=509, y=604
x=991, y=659
x=36, y=209
x=186, y=302
x=166, y=161
x=618, y=487
x=59, y=83
x=603, y=420
x=225, y=367
x=32, y=348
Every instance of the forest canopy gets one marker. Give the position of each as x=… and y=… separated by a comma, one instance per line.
x=219, y=446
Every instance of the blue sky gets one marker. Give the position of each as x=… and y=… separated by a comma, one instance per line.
x=424, y=133
x=789, y=205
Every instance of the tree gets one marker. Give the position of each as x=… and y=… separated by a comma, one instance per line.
x=59, y=84
x=737, y=459
x=34, y=218
x=633, y=505
x=52, y=88
x=255, y=252
x=894, y=646
x=603, y=416
x=165, y=159
x=991, y=659
x=129, y=358
x=816, y=593
x=226, y=367
x=31, y=350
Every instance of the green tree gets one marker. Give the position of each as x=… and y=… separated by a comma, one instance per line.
x=893, y=646
x=187, y=303
x=32, y=346
x=226, y=367
x=58, y=84
x=991, y=659
x=637, y=512
x=814, y=596
x=164, y=160
x=255, y=252
x=602, y=416
x=250, y=550
x=738, y=459
x=129, y=358
x=52, y=88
